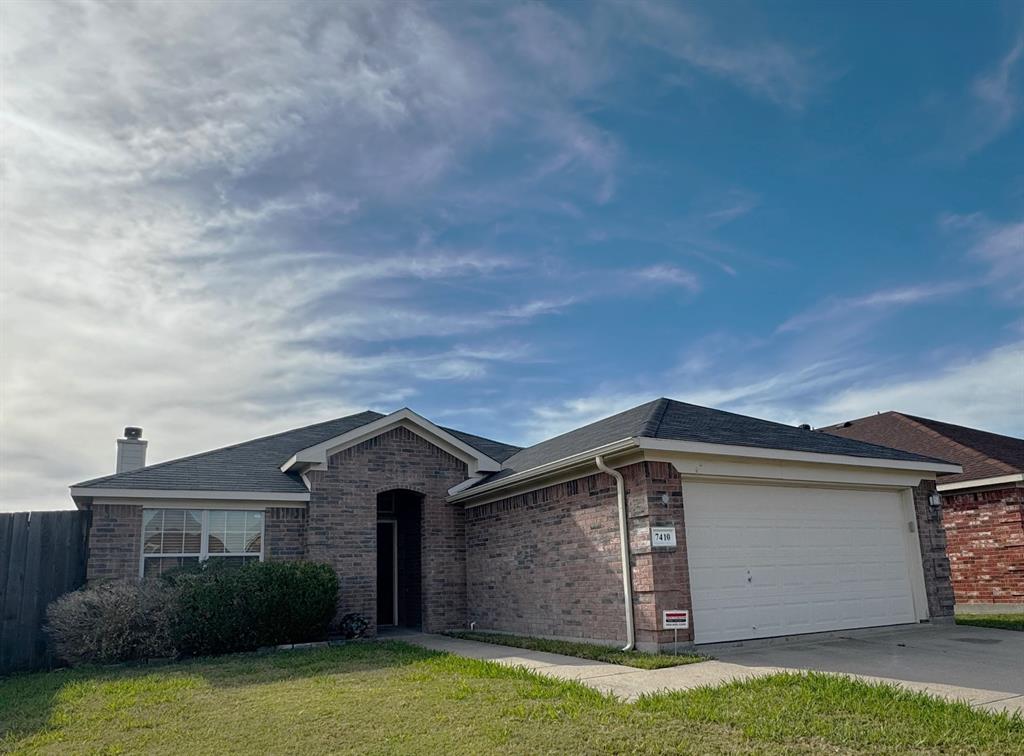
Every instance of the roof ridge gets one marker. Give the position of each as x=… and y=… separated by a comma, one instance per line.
x=654, y=422
x=225, y=448
x=477, y=435
x=916, y=422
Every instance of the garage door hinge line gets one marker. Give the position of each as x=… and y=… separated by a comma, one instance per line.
x=627, y=586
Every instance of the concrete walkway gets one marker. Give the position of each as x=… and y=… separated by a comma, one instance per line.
x=628, y=683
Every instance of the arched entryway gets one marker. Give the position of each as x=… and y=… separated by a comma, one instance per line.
x=399, y=573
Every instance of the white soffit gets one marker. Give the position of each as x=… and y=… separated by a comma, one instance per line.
x=978, y=482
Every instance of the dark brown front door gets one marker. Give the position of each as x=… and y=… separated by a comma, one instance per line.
x=386, y=575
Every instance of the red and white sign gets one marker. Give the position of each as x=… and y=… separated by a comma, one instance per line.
x=675, y=619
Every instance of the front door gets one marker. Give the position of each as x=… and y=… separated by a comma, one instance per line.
x=387, y=573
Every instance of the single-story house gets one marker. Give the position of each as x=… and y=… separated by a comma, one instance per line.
x=982, y=507
x=738, y=528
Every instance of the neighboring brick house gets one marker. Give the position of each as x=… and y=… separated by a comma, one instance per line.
x=756, y=529
x=982, y=507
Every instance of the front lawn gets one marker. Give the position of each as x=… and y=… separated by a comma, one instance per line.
x=593, y=651
x=1001, y=621
x=389, y=697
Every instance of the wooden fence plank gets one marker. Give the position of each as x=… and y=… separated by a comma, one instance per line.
x=42, y=556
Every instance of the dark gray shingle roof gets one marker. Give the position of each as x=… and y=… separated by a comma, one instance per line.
x=678, y=421
x=255, y=465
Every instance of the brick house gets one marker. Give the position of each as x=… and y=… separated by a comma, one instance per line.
x=755, y=529
x=982, y=507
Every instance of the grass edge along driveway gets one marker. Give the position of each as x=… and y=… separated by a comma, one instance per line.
x=1010, y=621
x=387, y=697
x=593, y=651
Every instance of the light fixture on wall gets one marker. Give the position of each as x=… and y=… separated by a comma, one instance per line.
x=934, y=504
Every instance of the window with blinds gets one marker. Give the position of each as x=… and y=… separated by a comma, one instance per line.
x=175, y=537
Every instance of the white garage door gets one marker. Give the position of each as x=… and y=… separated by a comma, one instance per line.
x=772, y=560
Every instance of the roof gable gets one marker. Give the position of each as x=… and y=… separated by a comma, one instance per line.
x=250, y=466
x=315, y=456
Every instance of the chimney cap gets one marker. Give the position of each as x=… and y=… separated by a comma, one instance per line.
x=133, y=433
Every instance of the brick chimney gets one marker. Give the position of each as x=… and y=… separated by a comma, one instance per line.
x=131, y=450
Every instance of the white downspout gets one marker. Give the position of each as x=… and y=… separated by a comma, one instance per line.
x=627, y=583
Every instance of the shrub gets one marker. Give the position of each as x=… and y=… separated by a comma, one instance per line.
x=353, y=625
x=121, y=620
x=222, y=608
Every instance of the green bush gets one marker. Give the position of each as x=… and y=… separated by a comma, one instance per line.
x=223, y=608
x=217, y=607
x=121, y=620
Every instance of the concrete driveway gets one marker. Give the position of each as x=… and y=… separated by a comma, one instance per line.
x=982, y=665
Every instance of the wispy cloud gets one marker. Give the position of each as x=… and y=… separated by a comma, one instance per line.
x=877, y=302
x=998, y=97
x=985, y=391
x=766, y=69
x=999, y=246
x=670, y=275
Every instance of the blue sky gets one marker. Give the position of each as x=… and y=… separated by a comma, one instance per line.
x=224, y=220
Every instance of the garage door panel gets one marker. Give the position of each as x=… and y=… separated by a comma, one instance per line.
x=770, y=561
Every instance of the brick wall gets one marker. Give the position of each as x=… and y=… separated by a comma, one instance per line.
x=114, y=541
x=661, y=576
x=932, y=537
x=342, y=524
x=985, y=541
x=285, y=532
x=547, y=562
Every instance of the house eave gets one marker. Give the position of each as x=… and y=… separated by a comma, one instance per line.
x=83, y=495
x=1014, y=479
x=694, y=449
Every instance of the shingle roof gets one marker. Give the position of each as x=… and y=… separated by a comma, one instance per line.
x=980, y=453
x=256, y=465
x=678, y=421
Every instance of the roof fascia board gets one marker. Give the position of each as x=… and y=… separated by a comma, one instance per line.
x=667, y=450
x=316, y=456
x=179, y=503
x=581, y=469
x=154, y=493
x=979, y=482
x=756, y=452
x=546, y=469
x=786, y=473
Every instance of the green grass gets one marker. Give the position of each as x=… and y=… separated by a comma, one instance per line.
x=593, y=651
x=1001, y=621
x=389, y=697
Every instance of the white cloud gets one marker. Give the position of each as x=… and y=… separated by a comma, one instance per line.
x=986, y=391
x=765, y=69
x=999, y=246
x=997, y=97
x=184, y=188
x=877, y=302
x=670, y=275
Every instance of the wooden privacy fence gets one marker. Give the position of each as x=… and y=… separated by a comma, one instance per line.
x=42, y=556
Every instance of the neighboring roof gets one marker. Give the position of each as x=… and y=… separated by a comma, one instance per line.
x=678, y=421
x=980, y=453
x=255, y=466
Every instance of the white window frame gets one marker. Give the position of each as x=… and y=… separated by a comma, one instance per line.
x=204, y=538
